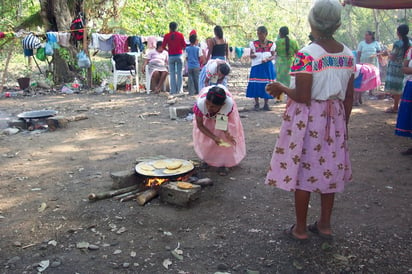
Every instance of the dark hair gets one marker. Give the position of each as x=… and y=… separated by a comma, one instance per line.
x=224, y=69
x=173, y=26
x=403, y=31
x=193, y=38
x=216, y=95
x=218, y=32
x=371, y=33
x=262, y=29
x=284, y=32
x=158, y=44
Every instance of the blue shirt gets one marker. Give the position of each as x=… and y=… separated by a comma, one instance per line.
x=193, y=54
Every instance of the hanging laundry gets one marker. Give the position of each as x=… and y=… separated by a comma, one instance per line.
x=105, y=42
x=52, y=38
x=2, y=35
x=120, y=44
x=239, y=52
x=135, y=44
x=64, y=39
x=151, y=42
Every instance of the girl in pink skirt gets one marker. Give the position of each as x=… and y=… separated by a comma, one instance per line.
x=218, y=136
x=311, y=153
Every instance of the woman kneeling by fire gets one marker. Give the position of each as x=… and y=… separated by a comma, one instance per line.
x=218, y=136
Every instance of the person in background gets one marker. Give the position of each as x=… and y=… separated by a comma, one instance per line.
x=286, y=49
x=194, y=61
x=404, y=121
x=218, y=48
x=394, y=74
x=218, y=136
x=156, y=60
x=213, y=73
x=368, y=51
x=311, y=153
x=262, y=72
x=174, y=43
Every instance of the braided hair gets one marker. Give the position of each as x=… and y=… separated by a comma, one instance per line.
x=403, y=31
x=284, y=32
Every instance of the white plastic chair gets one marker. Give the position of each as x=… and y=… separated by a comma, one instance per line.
x=127, y=73
x=149, y=79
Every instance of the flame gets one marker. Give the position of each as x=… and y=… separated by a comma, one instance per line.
x=153, y=182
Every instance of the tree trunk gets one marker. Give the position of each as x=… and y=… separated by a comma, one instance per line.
x=57, y=16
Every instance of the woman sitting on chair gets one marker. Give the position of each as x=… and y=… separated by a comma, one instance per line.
x=157, y=62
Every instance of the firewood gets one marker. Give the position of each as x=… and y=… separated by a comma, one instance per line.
x=129, y=197
x=146, y=196
x=109, y=194
x=120, y=196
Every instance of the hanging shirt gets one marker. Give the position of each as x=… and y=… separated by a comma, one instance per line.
x=120, y=44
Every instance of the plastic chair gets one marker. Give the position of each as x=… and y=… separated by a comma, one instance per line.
x=149, y=78
x=128, y=73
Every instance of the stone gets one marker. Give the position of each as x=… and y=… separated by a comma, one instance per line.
x=10, y=131
x=125, y=178
x=180, y=112
x=171, y=194
x=56, y=122
x=18, y=123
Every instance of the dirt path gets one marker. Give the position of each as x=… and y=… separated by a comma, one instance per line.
x=235, y=226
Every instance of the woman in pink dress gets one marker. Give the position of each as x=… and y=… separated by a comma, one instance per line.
x=218, y=136
x=311, y=153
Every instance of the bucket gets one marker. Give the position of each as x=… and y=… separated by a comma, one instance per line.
x=24, y=83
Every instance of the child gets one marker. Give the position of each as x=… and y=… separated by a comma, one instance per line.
x=366, y=78
x=218, y=136
x=194, y=61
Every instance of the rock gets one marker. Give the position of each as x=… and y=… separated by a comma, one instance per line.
x=17, y=244
x=56, y=122
x=10, y=131
x=222, y=267
x=13, y=260
x=17, y=123
x=125, y=178
x=126, y=265
x=170, y=193
x=55, y=264
x=180, y=112
x=203, y=182
x=93, y=247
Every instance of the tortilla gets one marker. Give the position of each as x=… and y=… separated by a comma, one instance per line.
x=175, y=164
x=169, y=171
x=146, y=167
x=184, y=185
x=160, y=164
x=224, y=144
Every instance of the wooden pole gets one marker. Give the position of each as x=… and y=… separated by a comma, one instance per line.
x=109, y=194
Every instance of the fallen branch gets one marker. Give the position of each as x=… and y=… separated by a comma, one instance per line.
x=145, y=196
x=120, y=196
x=129, y=197
x=112, y=193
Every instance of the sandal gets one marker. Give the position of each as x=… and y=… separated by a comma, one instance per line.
x=266, y=107
x=314, y=229
x=256, y=107
x=289, y=233
x=223, y=171
x=391, y=110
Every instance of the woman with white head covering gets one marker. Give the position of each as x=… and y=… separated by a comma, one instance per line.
x=311, y=153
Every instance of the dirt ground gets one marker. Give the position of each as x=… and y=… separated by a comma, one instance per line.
x=236, y=225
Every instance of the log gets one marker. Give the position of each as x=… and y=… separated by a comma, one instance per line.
x=146, y=196
x=109, y=194
x=120, y=196
x=129, y=197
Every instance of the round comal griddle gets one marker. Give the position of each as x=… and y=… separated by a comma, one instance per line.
x=36, y=114
x=142, y=168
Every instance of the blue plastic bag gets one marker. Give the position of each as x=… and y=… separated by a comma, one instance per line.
x=83, y=60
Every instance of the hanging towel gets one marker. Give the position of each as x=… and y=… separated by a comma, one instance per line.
x=105, y=42
x=120, y=44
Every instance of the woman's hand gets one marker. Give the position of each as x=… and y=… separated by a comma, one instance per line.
x=230, y=137
x=275, y=89
x=217, y=140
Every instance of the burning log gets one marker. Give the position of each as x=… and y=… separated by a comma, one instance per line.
x=145, y=196
x=112, y=193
